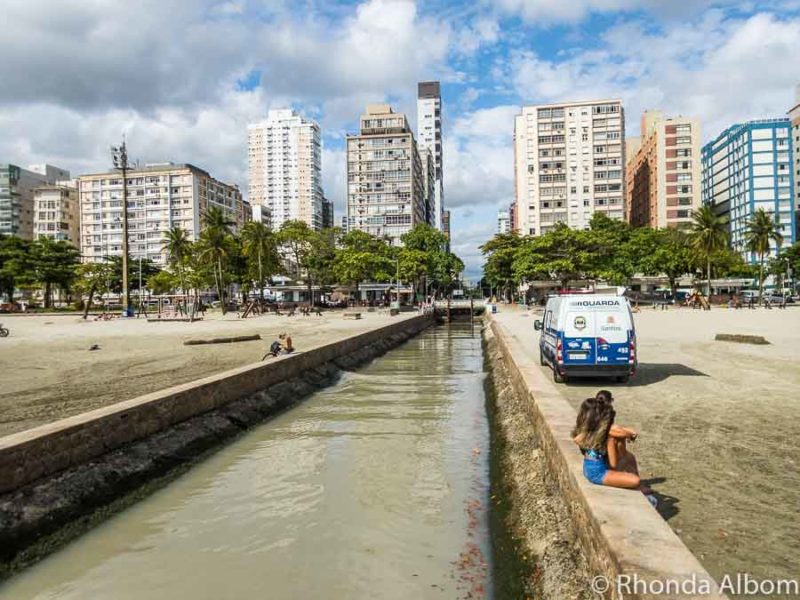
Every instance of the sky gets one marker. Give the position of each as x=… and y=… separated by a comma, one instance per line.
x=183, y=78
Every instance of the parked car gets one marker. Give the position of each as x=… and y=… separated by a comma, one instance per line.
x=775, y=298
x=588, y=336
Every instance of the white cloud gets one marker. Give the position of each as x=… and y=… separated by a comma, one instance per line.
x=548, y=12
x=715, y=69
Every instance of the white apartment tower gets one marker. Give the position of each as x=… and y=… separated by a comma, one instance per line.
x=429, y=137
x=569, y=161
x=385, y=179
x=285, y=168
x=160, y=196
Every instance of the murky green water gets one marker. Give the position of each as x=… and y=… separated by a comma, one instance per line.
x=374, y=488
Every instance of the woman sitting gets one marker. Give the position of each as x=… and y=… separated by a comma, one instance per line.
x=606, y=458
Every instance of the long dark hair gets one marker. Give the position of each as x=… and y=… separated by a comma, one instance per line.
x=595, y=417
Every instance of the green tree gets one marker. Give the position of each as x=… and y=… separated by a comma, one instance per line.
x=761, y=230
x=787, y=262
x=433, y=243
x=179, y=247
x=53, y=266
x=165, y=282
x=614, y=248
x=296, y=244
x=91, y=279
x=562, y=254
x=261, y=251
x=322, y=256
x=362, y=257
x=15, y=265
x=709, y=235
x=663, y=252
x=216, y=246
x=498, y=269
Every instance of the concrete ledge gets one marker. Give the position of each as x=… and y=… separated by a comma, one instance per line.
x=42, y=451
x=620, y=532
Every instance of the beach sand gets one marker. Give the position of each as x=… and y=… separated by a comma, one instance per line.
x=719, y=427
x=48, y=371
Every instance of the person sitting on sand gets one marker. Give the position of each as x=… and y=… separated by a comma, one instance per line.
x=283, y=345
x=606, y=458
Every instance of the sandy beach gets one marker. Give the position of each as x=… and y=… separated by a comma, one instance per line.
x=48, y=371
x=719, y=426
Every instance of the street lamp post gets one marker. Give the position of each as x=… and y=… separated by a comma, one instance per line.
x=119, y=155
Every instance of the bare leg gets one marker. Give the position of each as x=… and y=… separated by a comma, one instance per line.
x=619, y=479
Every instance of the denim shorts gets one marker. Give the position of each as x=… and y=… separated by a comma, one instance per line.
x=595, y=470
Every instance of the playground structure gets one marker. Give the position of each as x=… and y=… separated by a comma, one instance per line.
x=697, y=300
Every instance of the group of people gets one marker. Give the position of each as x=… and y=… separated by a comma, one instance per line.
x=604, y=445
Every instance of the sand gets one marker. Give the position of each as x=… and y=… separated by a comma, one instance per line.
x=48, y=371
x=719, y=426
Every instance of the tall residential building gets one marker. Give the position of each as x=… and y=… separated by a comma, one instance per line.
x=344, y=224
x=748, y=167
x=285, y=168
x=16, y=195
x=794, y=116
x=56, y=212
x=429, y=136
x=327, y=213
x=160, y=196
x=663, y=176
x=568, y=164
x=429, y=181
x=503, y=221
x=385, y=188
x=446, y=225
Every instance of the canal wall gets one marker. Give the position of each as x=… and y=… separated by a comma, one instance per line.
x=55, y=480
x=573, y=534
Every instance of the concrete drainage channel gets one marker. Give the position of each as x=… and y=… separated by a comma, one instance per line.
x=536, y=548
x=81, y=485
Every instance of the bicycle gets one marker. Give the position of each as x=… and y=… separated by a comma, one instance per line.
x=3, y=331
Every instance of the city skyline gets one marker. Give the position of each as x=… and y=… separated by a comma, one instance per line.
x=704, y=62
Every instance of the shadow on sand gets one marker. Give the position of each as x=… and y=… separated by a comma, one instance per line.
x=667, y=505
x=646, y=374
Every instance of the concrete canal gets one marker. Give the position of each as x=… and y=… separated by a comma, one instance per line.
x=377, y=487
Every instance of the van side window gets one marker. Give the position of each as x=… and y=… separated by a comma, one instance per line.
x=548, y=316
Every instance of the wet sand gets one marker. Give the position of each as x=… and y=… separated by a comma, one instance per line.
x=719, y=426
x=48, y=371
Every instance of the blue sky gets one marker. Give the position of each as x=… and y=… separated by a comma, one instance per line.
x=182, y=78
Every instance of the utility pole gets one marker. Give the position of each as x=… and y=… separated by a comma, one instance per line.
x=119, y=155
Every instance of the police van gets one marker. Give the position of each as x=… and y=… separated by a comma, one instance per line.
x=587, y=335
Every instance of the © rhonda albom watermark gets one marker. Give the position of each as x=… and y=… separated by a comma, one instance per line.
x=739, y=584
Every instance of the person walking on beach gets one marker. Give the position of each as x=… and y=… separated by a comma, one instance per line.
x=606, y=458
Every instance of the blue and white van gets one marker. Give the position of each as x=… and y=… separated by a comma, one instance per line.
x=588, y=335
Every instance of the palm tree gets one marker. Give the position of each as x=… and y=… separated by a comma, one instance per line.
x=761, y=229
x=709, y=235
x=259, y=243
x=215, y=246
x=179, y=247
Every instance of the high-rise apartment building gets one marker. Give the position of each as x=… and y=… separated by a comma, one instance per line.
x=429, y=137
x=385, y=188
x=16, y=195
x=160, y=196
x=285, y=168
x=746, y=168
x=503, y=221
x=429, y=181
x=663, y=172
x=327, y=213
x=568, y=163
x=794, y=117
x=56, y=212
x=446, y=225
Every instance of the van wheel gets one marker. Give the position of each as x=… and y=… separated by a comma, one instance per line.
x=558, y=377
x=623, y=378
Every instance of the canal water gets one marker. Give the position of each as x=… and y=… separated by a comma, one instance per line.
x=374, y=488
